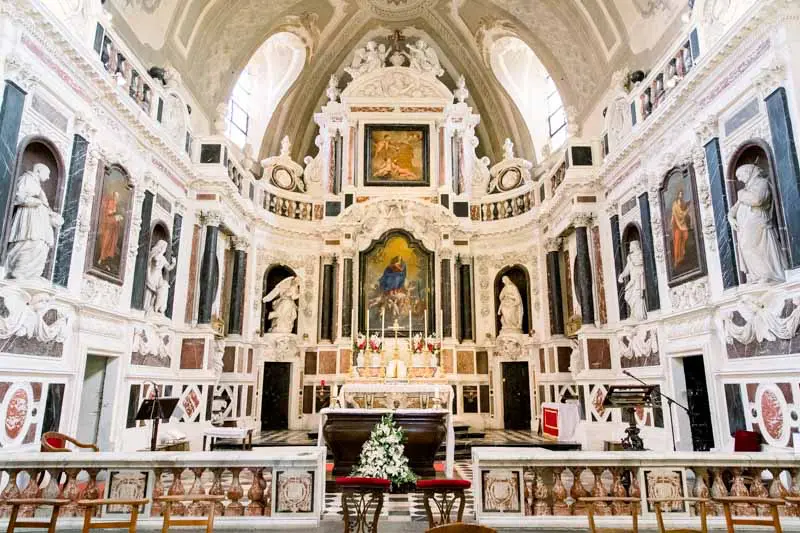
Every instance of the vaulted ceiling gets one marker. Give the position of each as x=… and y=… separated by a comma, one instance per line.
x=580, y=42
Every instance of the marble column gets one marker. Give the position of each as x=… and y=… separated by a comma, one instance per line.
x=648, y=250
x=786, y=167
x=10, y=120
x=583, y=270
x=142, y=253
x=446, y=326
x=327, y=312
x=466, y=331
x=719, y=203
x=619, y=266
x=553, y=246
x=238, y=282
x=72, y=200
x=208, y=267
x=177, y=227
x=347, y=298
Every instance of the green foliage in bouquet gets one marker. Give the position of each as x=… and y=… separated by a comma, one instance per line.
x=382, y=455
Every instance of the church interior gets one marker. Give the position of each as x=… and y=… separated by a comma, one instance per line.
x=400, y=265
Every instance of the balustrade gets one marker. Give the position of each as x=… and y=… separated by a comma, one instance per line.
x=246, y=480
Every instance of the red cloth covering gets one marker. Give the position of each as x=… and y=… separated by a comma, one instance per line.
x=746, y=441
x=366, y=481
x=443, y=484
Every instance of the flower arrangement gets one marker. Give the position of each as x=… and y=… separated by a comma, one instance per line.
x=360, y=342
x=382, y=455
x=375, y=343
x=417, y=343
x=434, y=343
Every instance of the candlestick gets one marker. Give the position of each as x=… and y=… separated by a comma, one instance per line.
x=425, y=328
x=440, y=323
x=410, y=329
x=383, y=323
x=367, y=322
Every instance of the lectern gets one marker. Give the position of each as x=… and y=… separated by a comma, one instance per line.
x=629, y=397
x=156, y=409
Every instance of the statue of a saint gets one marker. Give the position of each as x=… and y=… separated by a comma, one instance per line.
x=423, y=58
x=33, y=226
x=157, y=283
x=284, y=310
x=510, y=310
x=634, y=288
x=751, y=219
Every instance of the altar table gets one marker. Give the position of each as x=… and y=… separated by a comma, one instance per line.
x=560, y=420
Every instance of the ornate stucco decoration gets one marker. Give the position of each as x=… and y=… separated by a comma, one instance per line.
x=638, y=343
x=34, y=315
x=151, y=341
x=394, y=82
x=283, y=346
x=283, y=172
x=763, y=318
x=690, y=295
x=510, y=346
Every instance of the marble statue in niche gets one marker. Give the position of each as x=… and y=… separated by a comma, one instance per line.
x=510, y=307
x=634, y=288
x=157, y=283
x=284, y=311
x=751, y=220
x=33, y=226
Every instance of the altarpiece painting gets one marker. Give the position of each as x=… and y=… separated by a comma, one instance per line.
x=112, y=213
x=680, y=217
x=396, y=285
x=396, y=155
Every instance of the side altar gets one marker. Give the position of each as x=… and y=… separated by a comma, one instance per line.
x=423, y=410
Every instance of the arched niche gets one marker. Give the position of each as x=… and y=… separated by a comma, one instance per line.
x=758, y=152
x=274, y=275
x=160, y=232
x=519, y=276
x=35, y=150
x=632, y=232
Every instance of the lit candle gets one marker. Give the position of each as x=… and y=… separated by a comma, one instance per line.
x=425, y=326
x=367, y=322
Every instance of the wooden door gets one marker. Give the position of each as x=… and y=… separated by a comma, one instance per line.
x=697, y=398
x=516, y=396
x=275, y=396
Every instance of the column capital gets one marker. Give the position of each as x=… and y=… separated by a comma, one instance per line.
x=582, y=220
x=211, y=218
x=241, y=244
x=553, y=244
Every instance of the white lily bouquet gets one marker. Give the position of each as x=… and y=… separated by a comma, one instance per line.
x=382, y=455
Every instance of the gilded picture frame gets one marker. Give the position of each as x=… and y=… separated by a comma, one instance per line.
x=397, y=155
x=684, y=256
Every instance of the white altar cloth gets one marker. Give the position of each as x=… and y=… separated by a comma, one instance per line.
x=451, y=437
x=440, y=391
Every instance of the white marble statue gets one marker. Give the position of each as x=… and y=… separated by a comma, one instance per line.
x=461, y=93
x=508, y=150
x=510, y=310
x=284, y=310
x=333, y=92
x=423, y=58
x=751, y=219
x=368, y=59
x=157, y=282
x=33, y=226
x=634, y=288
x=25, y=314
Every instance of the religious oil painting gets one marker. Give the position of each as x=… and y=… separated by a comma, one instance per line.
x=112, y=212
x=683, y=236
x=396, y=155
x=396, y=286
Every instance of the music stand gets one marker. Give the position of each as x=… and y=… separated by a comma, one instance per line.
x=629, y=397
x=156, y=409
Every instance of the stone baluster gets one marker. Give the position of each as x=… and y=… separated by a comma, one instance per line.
x=777, y=490
x=71, y=493
x=541, y=494
x=217, y=490
x=158, y=490
x=718, y=490
x=739, y=489
x=256, y=494
x=599, y=491
x=176, y=489
x=560, y=507
x=31, y=492
x=635, y=491
x=267, y=491
x=197, y=508
x=235, y=493
x=577, y=492
x=794, y=490
x=758, y=490
x=618, y=491
x=527, y=481
x=701, y=489
x=10, y=491
x=90, y=491
x=49, y=491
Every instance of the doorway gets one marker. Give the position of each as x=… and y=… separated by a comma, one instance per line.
x=694, y=371
x=275, y=396
x=516, y=396
x=94, y=417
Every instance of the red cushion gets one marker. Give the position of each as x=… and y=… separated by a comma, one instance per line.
x=443, y=484
x=55, y=442
x=746, y=441
x=371, y=481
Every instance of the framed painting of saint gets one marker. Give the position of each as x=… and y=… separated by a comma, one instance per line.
x=396, y=155
x=396, y=285
x=680, y=218
x=108, y=240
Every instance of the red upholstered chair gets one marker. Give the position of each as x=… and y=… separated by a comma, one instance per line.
x=444, y=493
x=57, y=442
x=359, y=495
x=746, y=441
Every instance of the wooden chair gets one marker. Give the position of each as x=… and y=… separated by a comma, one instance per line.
x=57, y=442
x=634, y=506
x=359, y=495
x=774, y=521
x=49, y=525
x=208, y=521
x=444, y=493
x=90, y=506
x=458, y=527
x=702, y=512
x=793, y=501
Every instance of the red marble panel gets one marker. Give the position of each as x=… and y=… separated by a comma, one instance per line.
x=192, y=282
x=345, y=361
x=192, y=351
x=327, y=362
x=602, y=312
x=465, y=362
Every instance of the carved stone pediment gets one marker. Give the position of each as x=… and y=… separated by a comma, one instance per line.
x=283, y=172
x=508, y=175
x=397, y=82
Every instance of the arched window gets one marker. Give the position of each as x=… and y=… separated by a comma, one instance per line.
x=533, y=91
x=263, y=82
